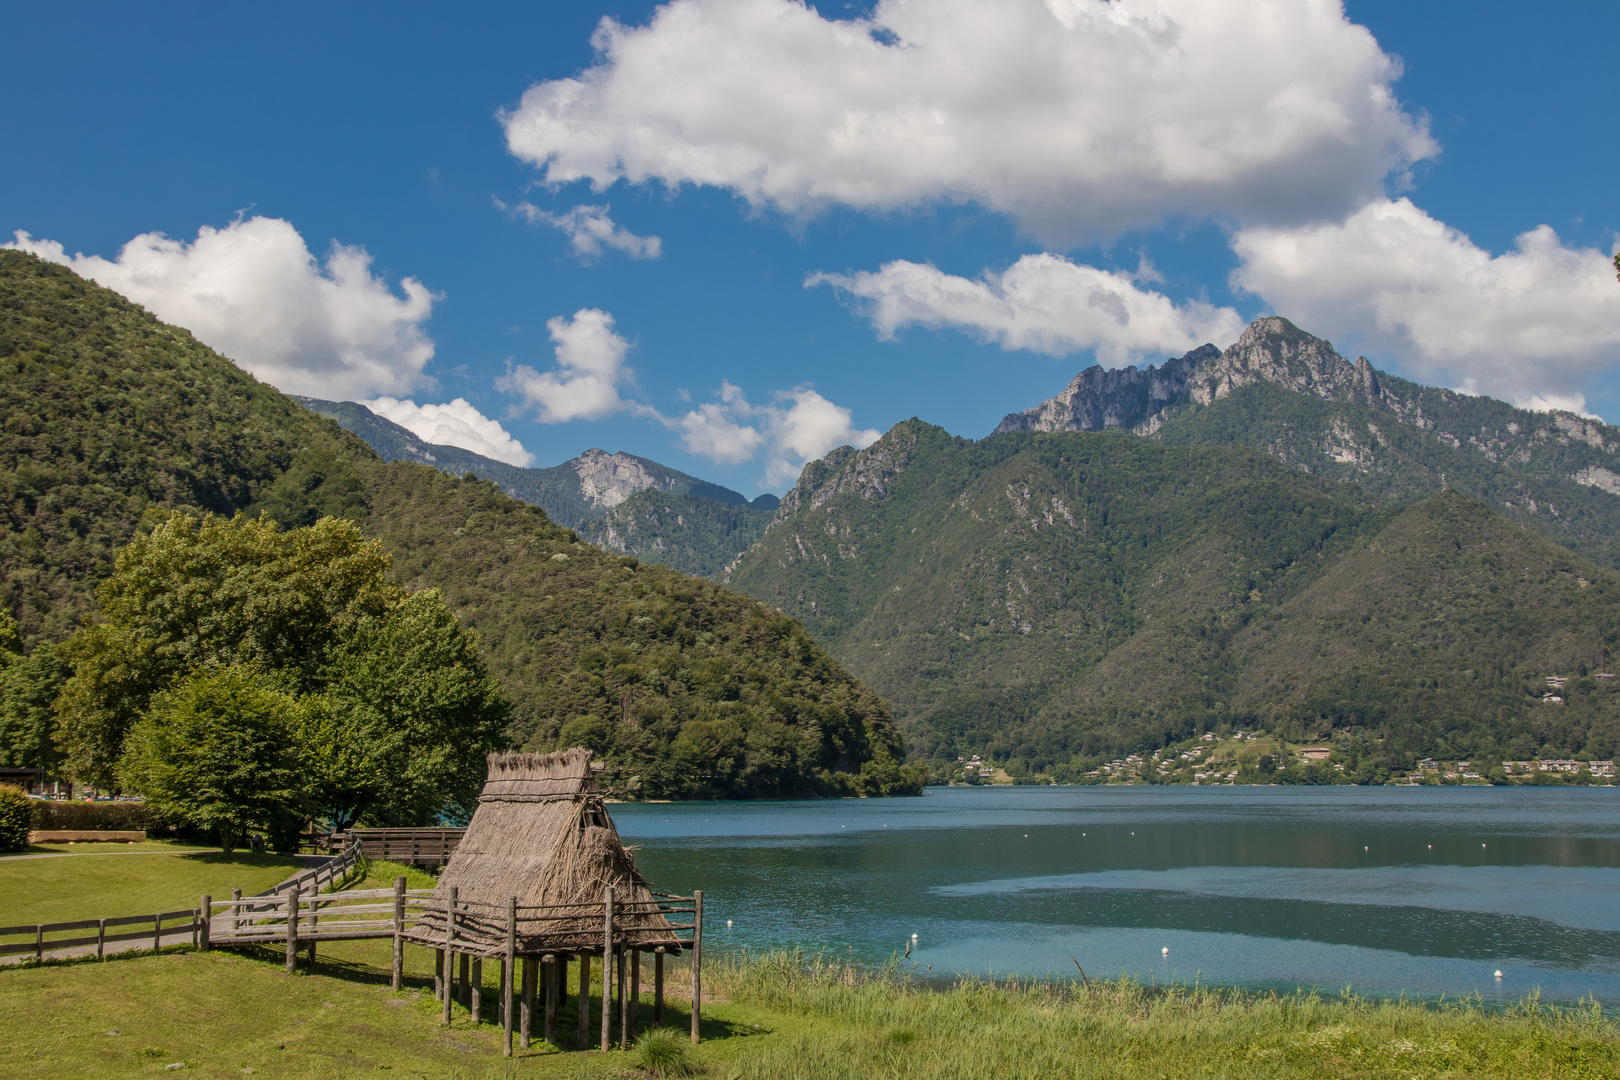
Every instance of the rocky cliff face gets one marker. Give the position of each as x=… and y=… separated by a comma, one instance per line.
x=609, y=479
x=1290, y=394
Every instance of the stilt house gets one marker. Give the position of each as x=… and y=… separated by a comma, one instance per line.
x=542, y=876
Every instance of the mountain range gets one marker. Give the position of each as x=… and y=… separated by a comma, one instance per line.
x=1288, y=394
x=113, y=420
x=619, y=502
x=1269, y=536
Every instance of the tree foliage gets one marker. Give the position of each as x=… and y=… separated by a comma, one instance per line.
x=16, y=818
x=386, y=700
x=219, y=749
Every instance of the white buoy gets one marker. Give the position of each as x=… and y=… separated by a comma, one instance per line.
x=728, y=924
x=1498, y=973
x=914, y=939
x=1364, y=847
x=1165, y=951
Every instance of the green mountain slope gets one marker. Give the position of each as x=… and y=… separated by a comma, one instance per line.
x=620, y=502
x=1291, y=395
x=690, y=688
x=1058, y=597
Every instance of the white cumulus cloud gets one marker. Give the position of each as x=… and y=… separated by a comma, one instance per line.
x=253, y=291
x=1530, y=325
x=1043, y=303
x=590, y=230
x=456, y=423
x=590, y=369
x=1079, y=118
x=800, y=427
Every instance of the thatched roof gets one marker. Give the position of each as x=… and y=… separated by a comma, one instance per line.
x=541, y=833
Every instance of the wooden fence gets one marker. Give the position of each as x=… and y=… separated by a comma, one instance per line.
x=430, y=848
x=164, y=926
x=153, y=928
x=471, y=932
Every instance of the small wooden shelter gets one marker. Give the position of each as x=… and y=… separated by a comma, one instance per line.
x=542, y=876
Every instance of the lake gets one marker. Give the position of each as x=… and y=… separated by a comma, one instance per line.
x=1423, y=891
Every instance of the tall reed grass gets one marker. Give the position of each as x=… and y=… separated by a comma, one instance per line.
x=884, y=1024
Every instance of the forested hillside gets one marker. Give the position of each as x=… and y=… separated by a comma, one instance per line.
x=619, y=502
x=112, y=419
x=1055, y=598
x=1289, y=394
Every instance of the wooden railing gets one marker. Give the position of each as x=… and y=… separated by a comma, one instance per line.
x=153, y=929
x=413, y=847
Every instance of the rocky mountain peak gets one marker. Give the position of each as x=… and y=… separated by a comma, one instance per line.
x=869, y=473
x=1274, y=350
x=609, y=479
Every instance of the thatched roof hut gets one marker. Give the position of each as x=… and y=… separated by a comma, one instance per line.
x=542, y=834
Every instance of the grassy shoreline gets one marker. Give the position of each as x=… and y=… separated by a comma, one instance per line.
x=781, y=1015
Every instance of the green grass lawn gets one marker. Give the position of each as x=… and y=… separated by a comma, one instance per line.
x=103, y=886
x=235, y=1015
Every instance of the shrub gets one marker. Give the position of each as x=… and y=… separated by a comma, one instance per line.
x=102, y=816
x=663, y=1052
x=16, y=817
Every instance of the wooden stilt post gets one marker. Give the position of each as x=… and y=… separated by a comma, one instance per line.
x=697, y=963
x=624, y=998
x=449, y=953
x=205, y=914
x=438, y=974
x=562, y=983
x=398, y=980
x=584, y=1039
x=549, y=965
x=658, y=987
x=465, y=996
x=292, y=930
x=526, y=1007
x=508, y=966
x=477, y=1006
x=634, y=1027
x=607, y=967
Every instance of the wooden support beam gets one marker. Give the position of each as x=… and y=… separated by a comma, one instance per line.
x=508, y=967
x=449, y=953
x=205, y=912
x=633, y=1028
x=477, y=1005
x=697, y=963
x=526, y=1010
x=438, y=974
x=465, y=994
x=658, y=987
x=607, y=967
x=584, y=1039
x=549, y=964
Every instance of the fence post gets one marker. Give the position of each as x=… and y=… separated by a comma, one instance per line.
x=697, y=962
x=236, y=894
x=399, y=932
x=449, y=953
x=39, y=941
x=157, y=931
x=607, y=965
x=292, y=930
x=205, y=914
x=101, y=938
x=506, y=972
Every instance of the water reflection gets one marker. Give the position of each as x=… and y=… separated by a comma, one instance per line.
x=1424, y=891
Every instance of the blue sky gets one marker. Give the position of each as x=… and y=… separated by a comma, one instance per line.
x=994, y=196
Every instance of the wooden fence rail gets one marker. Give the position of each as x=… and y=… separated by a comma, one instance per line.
x=153, y=929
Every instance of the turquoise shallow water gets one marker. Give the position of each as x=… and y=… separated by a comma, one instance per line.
x=1422, y=891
